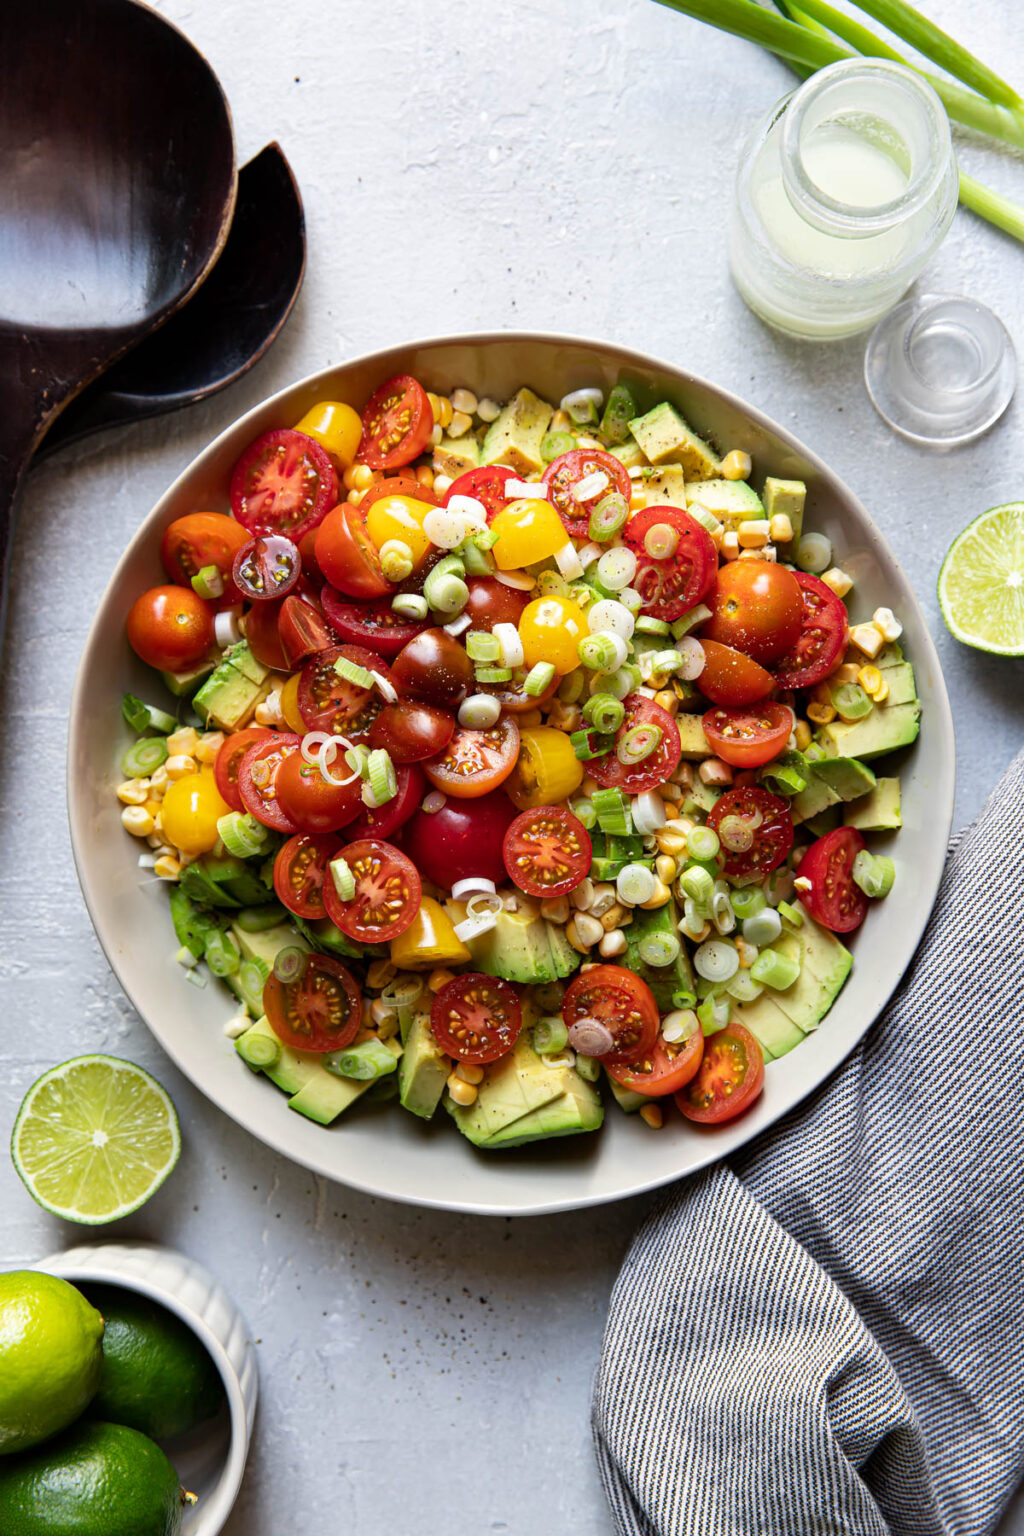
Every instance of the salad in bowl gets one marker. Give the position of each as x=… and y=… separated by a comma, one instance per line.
x=526, y=758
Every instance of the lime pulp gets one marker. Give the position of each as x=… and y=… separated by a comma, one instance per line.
x=981, y=584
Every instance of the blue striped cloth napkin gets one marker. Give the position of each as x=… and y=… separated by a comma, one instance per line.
x=827, y=1335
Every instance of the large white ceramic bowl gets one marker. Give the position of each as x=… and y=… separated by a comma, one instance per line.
x=382, y=1150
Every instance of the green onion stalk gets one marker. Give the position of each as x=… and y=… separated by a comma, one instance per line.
x=813, y=33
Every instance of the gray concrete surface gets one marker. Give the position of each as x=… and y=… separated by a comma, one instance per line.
x=535, y=164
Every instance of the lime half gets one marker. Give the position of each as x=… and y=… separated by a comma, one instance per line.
x=94, y=1138
x=981, y=584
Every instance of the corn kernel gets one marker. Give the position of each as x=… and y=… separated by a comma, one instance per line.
x=652, y=1115
x=838, y=580
x=666, y=868
x=208, y=747
x=425, y=476
x=470, y=1072
x=348, y=478
x=582, y=897
x=730, y=547
x=380, y=973
x=436, y=435
x=683, y=775
x=268, y=710
x=662, y=894
x=380, y=1012
x=589, y=442
x=671, y=794
x=158, y=783
x=670, y=843
x=737, y=465
x=133, y=792
x=613, y=943
x=803, y=735
x=182, y=743
x=604, y=899
x=167, y=867
x=881, y=693
x=555, y=910
x=560, y=422
x=780, y=528
x=529, y=720
x=714, y=771
x=137, y=820
x=462, y=1092
x=459, y=424
x=442, y=408
x=441, y=484
x=821, y=693
x=766, y=552
x=583, y=931
x=821, y=714
x=867, y=639
x=668, y=701
x=362, y=477
x=637, y=500
x=439, y=978
x=847, y=673
x=464, y=400
x=869, y=678
x=612, y=918
x=753, y=534
x=487, y=409
x=887, y=624
x=355, y=497
x=153, y=807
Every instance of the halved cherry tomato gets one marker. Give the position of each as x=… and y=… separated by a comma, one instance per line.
x=729, y=677
x=655, y=769
x=266, y=568
x=771, y=823
x=822, y=638
x=476, y=1018
x=492, y=602
x=171, y=628
x=385, y=820
x=512, y=698
x=664, y=1070
x=568, y=470
x=433, y=667
x=486, y=485
x=320, y=1011
x=311, y=801
x=397, y=424
x=283, y=483
x=329, y=702
x=462, y=839
x=299, y=871
x=751, y=736
x=310, y=569
x=302, y=631
x=756, y=607
x=475, y=761
x=410, y=731
x=387, y=895
x=729, y=1079
x=834, y=900
x=672, y=586
x=547, y=851
x=199, y=539
x=373, y=623
x=619, y=1000
x=228, y=759
x=257, y=780
x=348, y=556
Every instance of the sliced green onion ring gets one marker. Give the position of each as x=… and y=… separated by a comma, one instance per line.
x=638, y=744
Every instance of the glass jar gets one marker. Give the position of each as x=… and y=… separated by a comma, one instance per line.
x=843, y=194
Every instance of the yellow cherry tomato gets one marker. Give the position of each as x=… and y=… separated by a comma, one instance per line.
x=430, y=940
x=547, y=769
x=399, y=517
x=551, y=629
x=288, y=698
x=336, y=427
x=190, y=810
x=525, y=532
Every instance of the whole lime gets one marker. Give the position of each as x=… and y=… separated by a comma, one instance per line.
x=50, y=1357
x=156, y=1377
x=94, y=1480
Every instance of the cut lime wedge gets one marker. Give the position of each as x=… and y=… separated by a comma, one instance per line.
x=981, y=584
x=94, y=1138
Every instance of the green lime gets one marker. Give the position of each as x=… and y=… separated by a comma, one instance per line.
x=50, y=1357
x=94, y=1138
x=95, y=1480
x=981, y=584
x=157, y=1377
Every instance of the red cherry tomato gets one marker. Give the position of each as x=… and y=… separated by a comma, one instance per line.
x=347, y=555
x=665, y=1070
x=757, y=608
x=750, y=737
x=411, y=731
x=547, y=851
x=475, y=762
x=822, y=638
x=620, y=1001
x=433, y=667
x=387, y=894
x=321, y=1010
x=171, y=628
x=310, y=569
x=199, y=539
x=657, y=768
x=264, y=636
x=257, y=780
x=397, y=424
x=312, y=802
x=383, y=821
x=462, y=839
x=302, y=631
x=225, y=769
x=729, y=677
x=329, y=702
x=373, y=623
x=672, y=586
x=834, y=900
x=283, y=483
x=299, y=871
x=729, y=1079
x=476, y=1018
x=512, y=698
x=568, y=470
x=268, y=567
x=769, y=819
x=492, y=602
x=486, y=485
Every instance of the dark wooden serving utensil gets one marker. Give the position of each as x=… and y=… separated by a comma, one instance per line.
x=223, y=329
x=117, y=186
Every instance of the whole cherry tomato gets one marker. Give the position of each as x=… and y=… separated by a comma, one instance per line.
x=171, y=628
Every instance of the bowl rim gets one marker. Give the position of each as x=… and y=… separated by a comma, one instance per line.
x=940, y=722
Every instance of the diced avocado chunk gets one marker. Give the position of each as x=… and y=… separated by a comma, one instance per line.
x=666, y=439
x=454, y=455
x=701, y=796
x=884, y=730
x=514, y=438
x=902, y=688
x=522, y=946
x=890, y=655
x=695, y=744
x=731, y=500
x=879, y=811
x=824, y=966
x=569, y=1115
x=266, y=944
x=816, y=797
x=773, y=1029
x=323, y=1096
x=825, y=821
x=786, y=498
x=521, y=1099
x=844, y=776
x=423, y=1069
x=232, y=691
x=666, y=487
x=243, y=660
x=672, y=985
x=323, y=936
x=629, y=454
x=182, y=683
x=292, y=1069
x=564, y=958
x=627, y=1099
